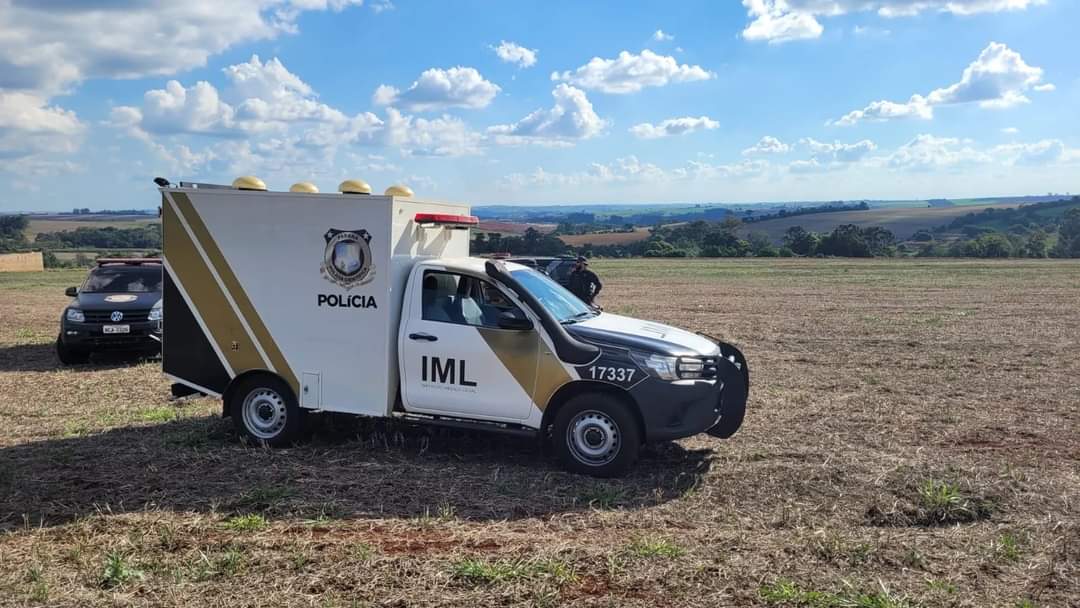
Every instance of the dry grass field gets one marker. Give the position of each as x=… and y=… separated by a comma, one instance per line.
x=911, y=442
x=607, y=238
x=40, y=224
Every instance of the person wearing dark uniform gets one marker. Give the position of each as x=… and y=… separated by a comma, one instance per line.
x=583, y=282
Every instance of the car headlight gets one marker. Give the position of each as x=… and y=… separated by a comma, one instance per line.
x=657, y=366
x=155, y=313
x=670, y=368
x=75, y=315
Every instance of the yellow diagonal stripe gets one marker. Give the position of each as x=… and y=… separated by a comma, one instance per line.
x=243, y=303
x=207, y=299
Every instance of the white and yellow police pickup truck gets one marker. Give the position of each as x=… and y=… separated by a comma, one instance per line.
x=285, y=302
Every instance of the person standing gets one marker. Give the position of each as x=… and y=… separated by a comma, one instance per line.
x=583, y=282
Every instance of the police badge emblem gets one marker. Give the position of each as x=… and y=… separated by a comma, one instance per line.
x=347, y=259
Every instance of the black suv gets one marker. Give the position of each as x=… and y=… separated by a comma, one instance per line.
x=118, y=308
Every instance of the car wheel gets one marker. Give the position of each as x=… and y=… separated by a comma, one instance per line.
x=596, y=434
x=70, y=356
x=264, y=411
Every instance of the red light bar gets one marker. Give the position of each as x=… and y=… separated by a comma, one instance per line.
x=446, y=219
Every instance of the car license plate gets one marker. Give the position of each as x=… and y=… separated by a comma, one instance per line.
x=116, y=329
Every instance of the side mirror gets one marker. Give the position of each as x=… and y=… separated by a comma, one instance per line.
x=71, y=292
x=514, y=320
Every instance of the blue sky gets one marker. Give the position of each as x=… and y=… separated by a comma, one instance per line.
x=494, y=102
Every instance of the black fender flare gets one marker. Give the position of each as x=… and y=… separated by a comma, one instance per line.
x=734, y=372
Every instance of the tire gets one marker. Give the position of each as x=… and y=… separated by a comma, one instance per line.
x=264, y=411
x=596, y=434
x=70, y=356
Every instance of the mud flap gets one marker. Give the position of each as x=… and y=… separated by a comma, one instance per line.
x=735, y=374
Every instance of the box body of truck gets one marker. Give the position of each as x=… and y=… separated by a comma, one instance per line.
x=307, y=286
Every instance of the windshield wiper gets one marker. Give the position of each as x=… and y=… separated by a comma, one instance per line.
x=581, y=316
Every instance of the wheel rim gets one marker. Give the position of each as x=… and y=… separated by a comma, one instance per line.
x=594, y=438
x=264, y=413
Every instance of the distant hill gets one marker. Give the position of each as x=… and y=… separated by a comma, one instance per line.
x=1047, y=214
x=903, y=222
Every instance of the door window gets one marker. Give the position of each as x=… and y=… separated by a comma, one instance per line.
x=463, y=300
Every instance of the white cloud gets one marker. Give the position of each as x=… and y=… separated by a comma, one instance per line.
x=837, y=151
x=662, y=36
x=631, y=171
x=29, y=128
x=930, y=153
x=1045, y=152
x=511, y=52
x=438, y=89
x=673, y=126
x=916, y=107
x=572, y=118
x=867, y=31
x=775, y=23
x=997, y=79
x=629, y=73
x=47, y=48
x=779, y=21
x=443, y=136
x=767, y=145
x=379, y=6
x=1010, y=130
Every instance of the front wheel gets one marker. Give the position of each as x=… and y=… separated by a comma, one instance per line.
x=596, y=434
x=265, y=411
x=70, y=356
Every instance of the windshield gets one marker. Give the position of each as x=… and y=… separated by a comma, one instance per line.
x=123, y=279
x=562, y=304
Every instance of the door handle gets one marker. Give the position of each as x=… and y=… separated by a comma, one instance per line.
x=427, y=337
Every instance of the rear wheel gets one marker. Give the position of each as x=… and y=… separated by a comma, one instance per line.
x=596, y=434
x=70, y=356
x=265, y=411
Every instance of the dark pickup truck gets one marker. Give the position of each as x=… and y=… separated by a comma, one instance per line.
x=117, y=308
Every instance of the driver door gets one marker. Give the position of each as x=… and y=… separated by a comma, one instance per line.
x=456, y=360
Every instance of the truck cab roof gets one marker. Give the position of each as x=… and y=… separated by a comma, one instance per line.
x=470, y=265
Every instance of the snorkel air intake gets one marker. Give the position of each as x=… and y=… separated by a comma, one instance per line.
x=568, y=348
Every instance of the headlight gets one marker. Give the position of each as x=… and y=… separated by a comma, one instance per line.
x=690, y=367
x=657, y=366
x=75, y=315
x=155, y=313
x=670, y=368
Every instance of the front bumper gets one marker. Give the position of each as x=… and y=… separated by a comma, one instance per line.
x=92, y=337
x=683, y=408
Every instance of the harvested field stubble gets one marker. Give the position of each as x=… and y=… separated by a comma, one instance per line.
x=911, y=442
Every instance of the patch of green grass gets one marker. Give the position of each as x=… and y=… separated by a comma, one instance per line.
x=1007, y=548
x=1025, y=604
x=942, y=502
x=251, y=522
x=39, y=588
x=602, y=496
x=656, y=547
x=788, y=593
x=226, y=564
x=159, y=414
x=363, y=551
x=476, y=570
x=941, y=586
x=118, y=570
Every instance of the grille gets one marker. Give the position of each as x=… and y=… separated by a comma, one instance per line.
x=130, y=316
